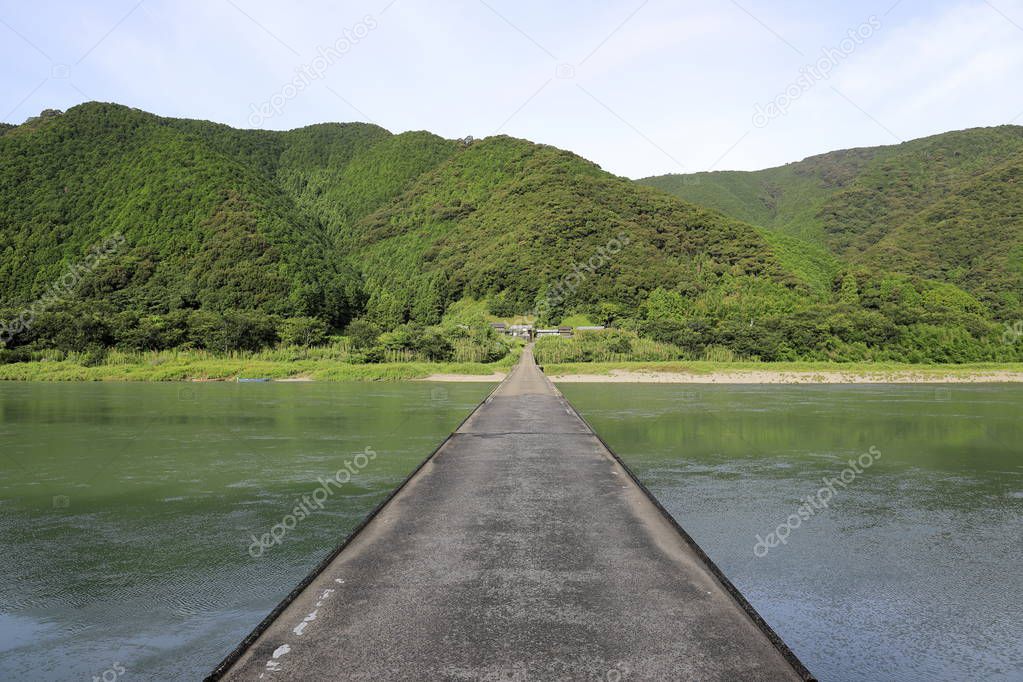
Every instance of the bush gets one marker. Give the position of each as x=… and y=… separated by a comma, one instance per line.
x=603, y=346
x=16, y=355
x=302, y=331
x=691, y=336
x=234, y=330
x=617, y=342
x=362, y=333
x=152, y=332
x=435, y=347
x=94, y=356
x=249, y=330
x=73, y=327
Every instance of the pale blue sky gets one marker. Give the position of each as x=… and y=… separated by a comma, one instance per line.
x=639, y=87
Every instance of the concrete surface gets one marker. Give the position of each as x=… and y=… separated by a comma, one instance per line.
x=521, y=551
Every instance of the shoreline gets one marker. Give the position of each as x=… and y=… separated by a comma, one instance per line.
x=698, y=372
x=787, y=377
x=496, y=377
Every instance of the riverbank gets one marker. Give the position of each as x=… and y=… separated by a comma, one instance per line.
x=230, y=369
x=782, y=373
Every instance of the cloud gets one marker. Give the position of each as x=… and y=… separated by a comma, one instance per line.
x=953, y=69
x=685, y=74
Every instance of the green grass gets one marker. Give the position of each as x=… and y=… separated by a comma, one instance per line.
x=195, y=365
x=602, y=346
x=703, y=368
x=578, y=320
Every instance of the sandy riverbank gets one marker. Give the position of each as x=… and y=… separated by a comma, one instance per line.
x=790, y=377
x=696, y=372
x=466, y=378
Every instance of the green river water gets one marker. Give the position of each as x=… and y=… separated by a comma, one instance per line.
x=127, y=512
x=913, y=570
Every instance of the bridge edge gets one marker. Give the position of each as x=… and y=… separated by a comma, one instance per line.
x=732, y=590
x=263, y=625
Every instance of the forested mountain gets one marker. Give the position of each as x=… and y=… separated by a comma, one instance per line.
x=947, y=207
x=251, y=231
x=212, y=217
x=506, y=220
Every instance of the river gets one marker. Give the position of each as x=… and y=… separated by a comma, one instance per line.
x=137, y=520
x=912, y=569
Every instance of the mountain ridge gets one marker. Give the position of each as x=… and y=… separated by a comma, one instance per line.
x=910, y=207
x=347, y=221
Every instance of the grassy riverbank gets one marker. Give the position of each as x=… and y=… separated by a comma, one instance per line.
x=198, y=366
x=172, y=366
x=782, y=372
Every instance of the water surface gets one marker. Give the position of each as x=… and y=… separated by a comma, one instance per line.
x=127, y=510
x=913, y=571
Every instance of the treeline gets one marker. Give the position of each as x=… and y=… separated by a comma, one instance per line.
x=238, y=241
x=94, y=328
x=868, y=317
x=945, y=207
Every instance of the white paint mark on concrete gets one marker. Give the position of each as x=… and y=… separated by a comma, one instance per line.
x=311, y=617
x=274, y=665
x=300, y=627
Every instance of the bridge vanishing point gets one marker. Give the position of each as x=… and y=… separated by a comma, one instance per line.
x=522, y=549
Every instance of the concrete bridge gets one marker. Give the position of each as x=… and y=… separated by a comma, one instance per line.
x=522, y=549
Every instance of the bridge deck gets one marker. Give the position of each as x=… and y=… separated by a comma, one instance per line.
x=522, y=550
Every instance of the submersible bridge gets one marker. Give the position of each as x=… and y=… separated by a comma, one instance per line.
x=521, y=549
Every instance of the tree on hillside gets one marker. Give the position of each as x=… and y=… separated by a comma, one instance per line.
x=849, y=293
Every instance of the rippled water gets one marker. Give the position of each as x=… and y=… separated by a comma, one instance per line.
x=127, y=510
x=914, y=571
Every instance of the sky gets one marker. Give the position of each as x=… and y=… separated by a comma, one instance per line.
x=641, y=87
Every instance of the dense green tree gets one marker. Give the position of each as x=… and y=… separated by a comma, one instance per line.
x=363, y=333
x=386, y=309
x=302, y=331
x=151, y=233
x=665, y=305
x=944, y=207
x=849, y=293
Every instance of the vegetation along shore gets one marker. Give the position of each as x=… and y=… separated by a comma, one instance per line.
x=344, y=251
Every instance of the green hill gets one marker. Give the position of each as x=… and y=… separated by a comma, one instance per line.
x=509, y=219
x=236, y=238
x=203, y=228
x=946, y=207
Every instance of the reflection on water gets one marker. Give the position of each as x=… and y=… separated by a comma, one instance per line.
x=127, y=510
x=913, y=572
